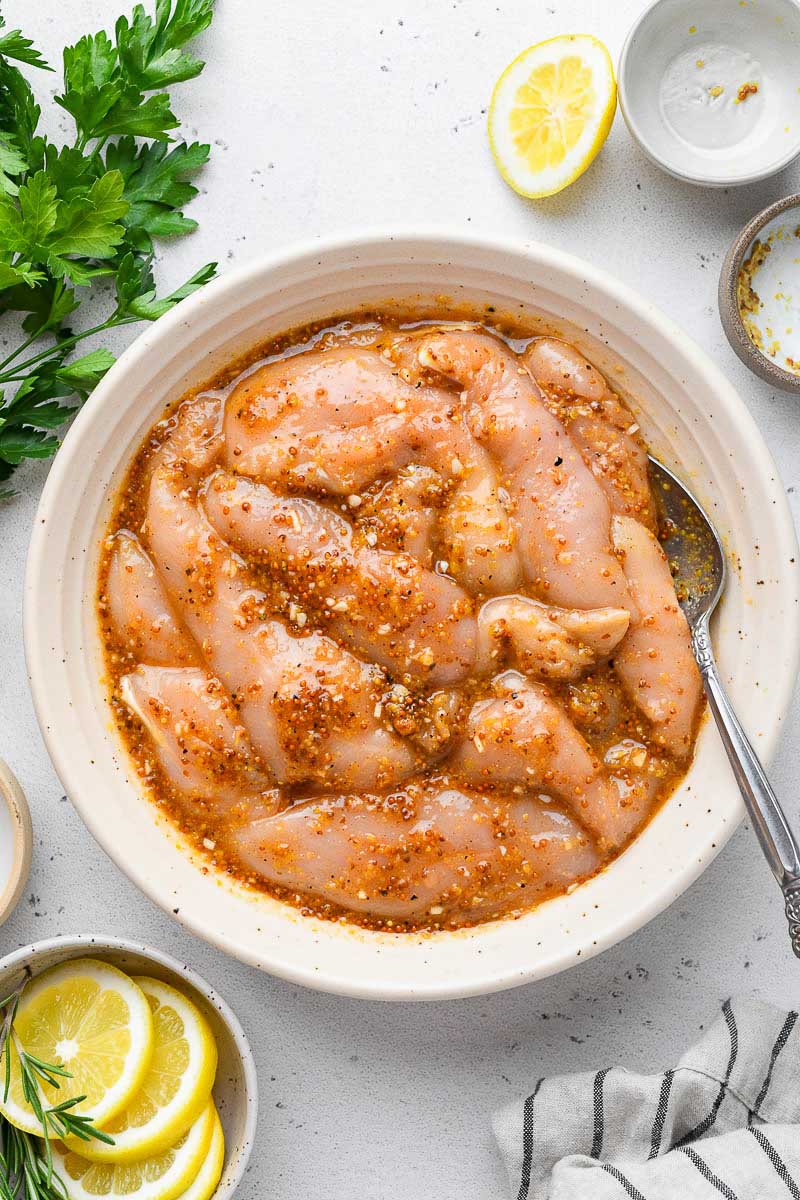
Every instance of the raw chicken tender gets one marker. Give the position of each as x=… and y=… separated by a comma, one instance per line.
x=655, y=661
x=603, y=429
x=524, y=739
x=439, y=852
x=383, y=605
x=561, y=512
x=335, y=421
x=307, y=705
x=201, y=746
x=551, y=643
x=141, y=612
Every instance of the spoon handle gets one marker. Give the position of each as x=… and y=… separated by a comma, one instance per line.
x=772, y=829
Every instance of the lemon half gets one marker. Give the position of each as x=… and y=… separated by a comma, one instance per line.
x=175, y=1089
x=91, y=1019
x=550, y=113
x=163, y=1176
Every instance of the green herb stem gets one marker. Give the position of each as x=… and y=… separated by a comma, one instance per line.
x=19, y=349
x=66, y=344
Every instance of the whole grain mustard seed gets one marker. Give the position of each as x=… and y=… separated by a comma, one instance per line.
x=747, y=89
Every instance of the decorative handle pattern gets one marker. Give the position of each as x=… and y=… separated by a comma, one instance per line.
x=791, y=892
x=701, y=645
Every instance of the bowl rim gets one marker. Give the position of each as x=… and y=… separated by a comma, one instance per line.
x=13, y=798
x=730, y=313
x=436, y=242
x=635, y=130
x=102, y=943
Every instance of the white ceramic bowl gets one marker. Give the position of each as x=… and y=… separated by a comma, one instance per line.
x=236, y=1087
x=692, y=418
x=679, y=76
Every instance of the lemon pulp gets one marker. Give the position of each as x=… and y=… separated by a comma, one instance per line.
x=162, y=1176
x=174, y=1090
x=91, y=1019
x=550, y=113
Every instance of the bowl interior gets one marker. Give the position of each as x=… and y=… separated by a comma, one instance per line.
x=235, y=1090
x=690, y=417
x=681, y=75
x=773, y=320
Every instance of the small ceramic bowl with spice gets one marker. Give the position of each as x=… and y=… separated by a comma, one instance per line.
x=710, y=89
x=759, y=294
x=235, y=1089
x=16, y=840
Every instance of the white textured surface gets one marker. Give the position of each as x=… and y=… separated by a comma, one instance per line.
x=324, y=118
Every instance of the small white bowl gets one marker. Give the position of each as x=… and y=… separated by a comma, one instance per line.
x=679, y=76
x=236, y=1087
x=692, y=419
x=16, y=841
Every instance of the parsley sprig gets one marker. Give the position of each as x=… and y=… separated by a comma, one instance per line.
x=81, y=217
x=26, y=1163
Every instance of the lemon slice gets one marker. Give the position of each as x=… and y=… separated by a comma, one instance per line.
x=175, y=1089
x=207, y=1178
x=94, y=1021
x=161, y=1177
x=551, y=111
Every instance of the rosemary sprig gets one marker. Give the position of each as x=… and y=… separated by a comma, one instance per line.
x=24, y=1172
x=26, y=1164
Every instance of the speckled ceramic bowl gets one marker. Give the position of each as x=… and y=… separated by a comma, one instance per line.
x=236, y=1086
x=692, y=419
x=778, y=289
x=16, y=841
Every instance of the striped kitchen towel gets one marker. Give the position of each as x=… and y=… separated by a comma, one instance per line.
x=724, y=1122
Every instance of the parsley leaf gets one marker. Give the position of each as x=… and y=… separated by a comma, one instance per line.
x=86, y=372
x=14, y=45
x=151, y=50
x=90, y=91
x=88, y=210
x=21, y=272
x=12, y=162
x=87, y=224
x=38, y=208
x=18, y=108
x=136, y=293
x=155, y=187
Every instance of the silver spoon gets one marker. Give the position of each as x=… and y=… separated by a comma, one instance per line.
x=697, y=559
